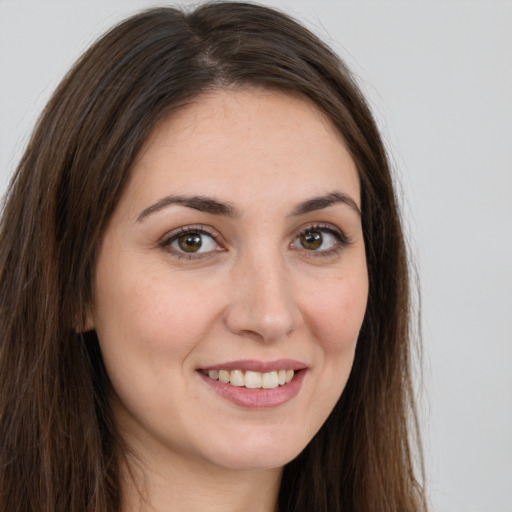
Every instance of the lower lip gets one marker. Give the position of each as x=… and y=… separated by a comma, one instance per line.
x=257, y=398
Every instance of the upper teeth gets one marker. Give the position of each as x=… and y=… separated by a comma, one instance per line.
x=253, y=380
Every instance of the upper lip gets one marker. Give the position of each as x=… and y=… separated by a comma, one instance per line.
x=258, y=366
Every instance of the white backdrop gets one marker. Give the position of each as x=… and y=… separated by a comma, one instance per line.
x=439, y=77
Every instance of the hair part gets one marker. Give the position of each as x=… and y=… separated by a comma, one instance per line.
x=60, y=448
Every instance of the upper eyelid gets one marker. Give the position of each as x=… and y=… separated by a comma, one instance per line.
x=215, y=234
x=321, y=226
x=207, y=230
x=342, y=240
x=170, y=237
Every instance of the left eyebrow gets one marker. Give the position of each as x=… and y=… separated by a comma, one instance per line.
x=321, y=202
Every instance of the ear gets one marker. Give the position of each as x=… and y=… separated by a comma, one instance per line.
x=86, y=323
x=89, y=321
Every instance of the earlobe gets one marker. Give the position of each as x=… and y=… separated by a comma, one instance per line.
x=89, y=324
x=86, y=323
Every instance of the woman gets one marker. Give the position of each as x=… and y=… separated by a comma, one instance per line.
x=204, y=281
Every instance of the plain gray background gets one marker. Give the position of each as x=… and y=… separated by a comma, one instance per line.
x=438, y=75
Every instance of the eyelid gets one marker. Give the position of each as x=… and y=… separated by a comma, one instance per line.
x=341, y=238
x=166, y=241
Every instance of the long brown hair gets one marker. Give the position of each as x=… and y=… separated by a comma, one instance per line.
x=59, y=446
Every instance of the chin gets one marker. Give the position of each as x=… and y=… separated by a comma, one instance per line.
x=260, y=451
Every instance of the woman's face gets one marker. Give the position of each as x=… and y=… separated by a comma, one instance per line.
x=234, y=256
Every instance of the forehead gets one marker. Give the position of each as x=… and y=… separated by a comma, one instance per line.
x=244, y=142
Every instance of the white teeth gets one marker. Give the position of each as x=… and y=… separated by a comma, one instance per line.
x=237, y=378
x=224, y=376
x=213, y=374
x=269, y=380
x=253, y=380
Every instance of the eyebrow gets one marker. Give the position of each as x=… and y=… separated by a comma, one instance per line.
x=321, y=202
x=201, y=203
x=214, y=207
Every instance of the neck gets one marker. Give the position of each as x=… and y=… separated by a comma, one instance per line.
x=190, y=486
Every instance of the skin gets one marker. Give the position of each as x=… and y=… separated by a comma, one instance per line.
x=253, y=291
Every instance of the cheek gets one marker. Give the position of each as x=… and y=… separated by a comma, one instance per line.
x=148, y=315
x=147, y=327
x=337, y=311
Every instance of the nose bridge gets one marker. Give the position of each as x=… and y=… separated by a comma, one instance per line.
x=263, y=302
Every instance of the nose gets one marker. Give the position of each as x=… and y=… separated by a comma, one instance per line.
x=263, y=303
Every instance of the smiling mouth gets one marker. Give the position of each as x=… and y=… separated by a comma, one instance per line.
x=251, y=379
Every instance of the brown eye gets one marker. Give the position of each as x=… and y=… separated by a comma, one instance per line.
x=311, y=240
x=190, y=242
x=319, y=240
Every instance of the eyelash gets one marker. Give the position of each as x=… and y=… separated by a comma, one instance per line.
x=196, y=229
x=341, y=241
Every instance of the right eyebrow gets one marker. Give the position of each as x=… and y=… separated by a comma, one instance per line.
x=201, y=203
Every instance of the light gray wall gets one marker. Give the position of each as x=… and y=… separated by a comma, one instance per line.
x=439, y=77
